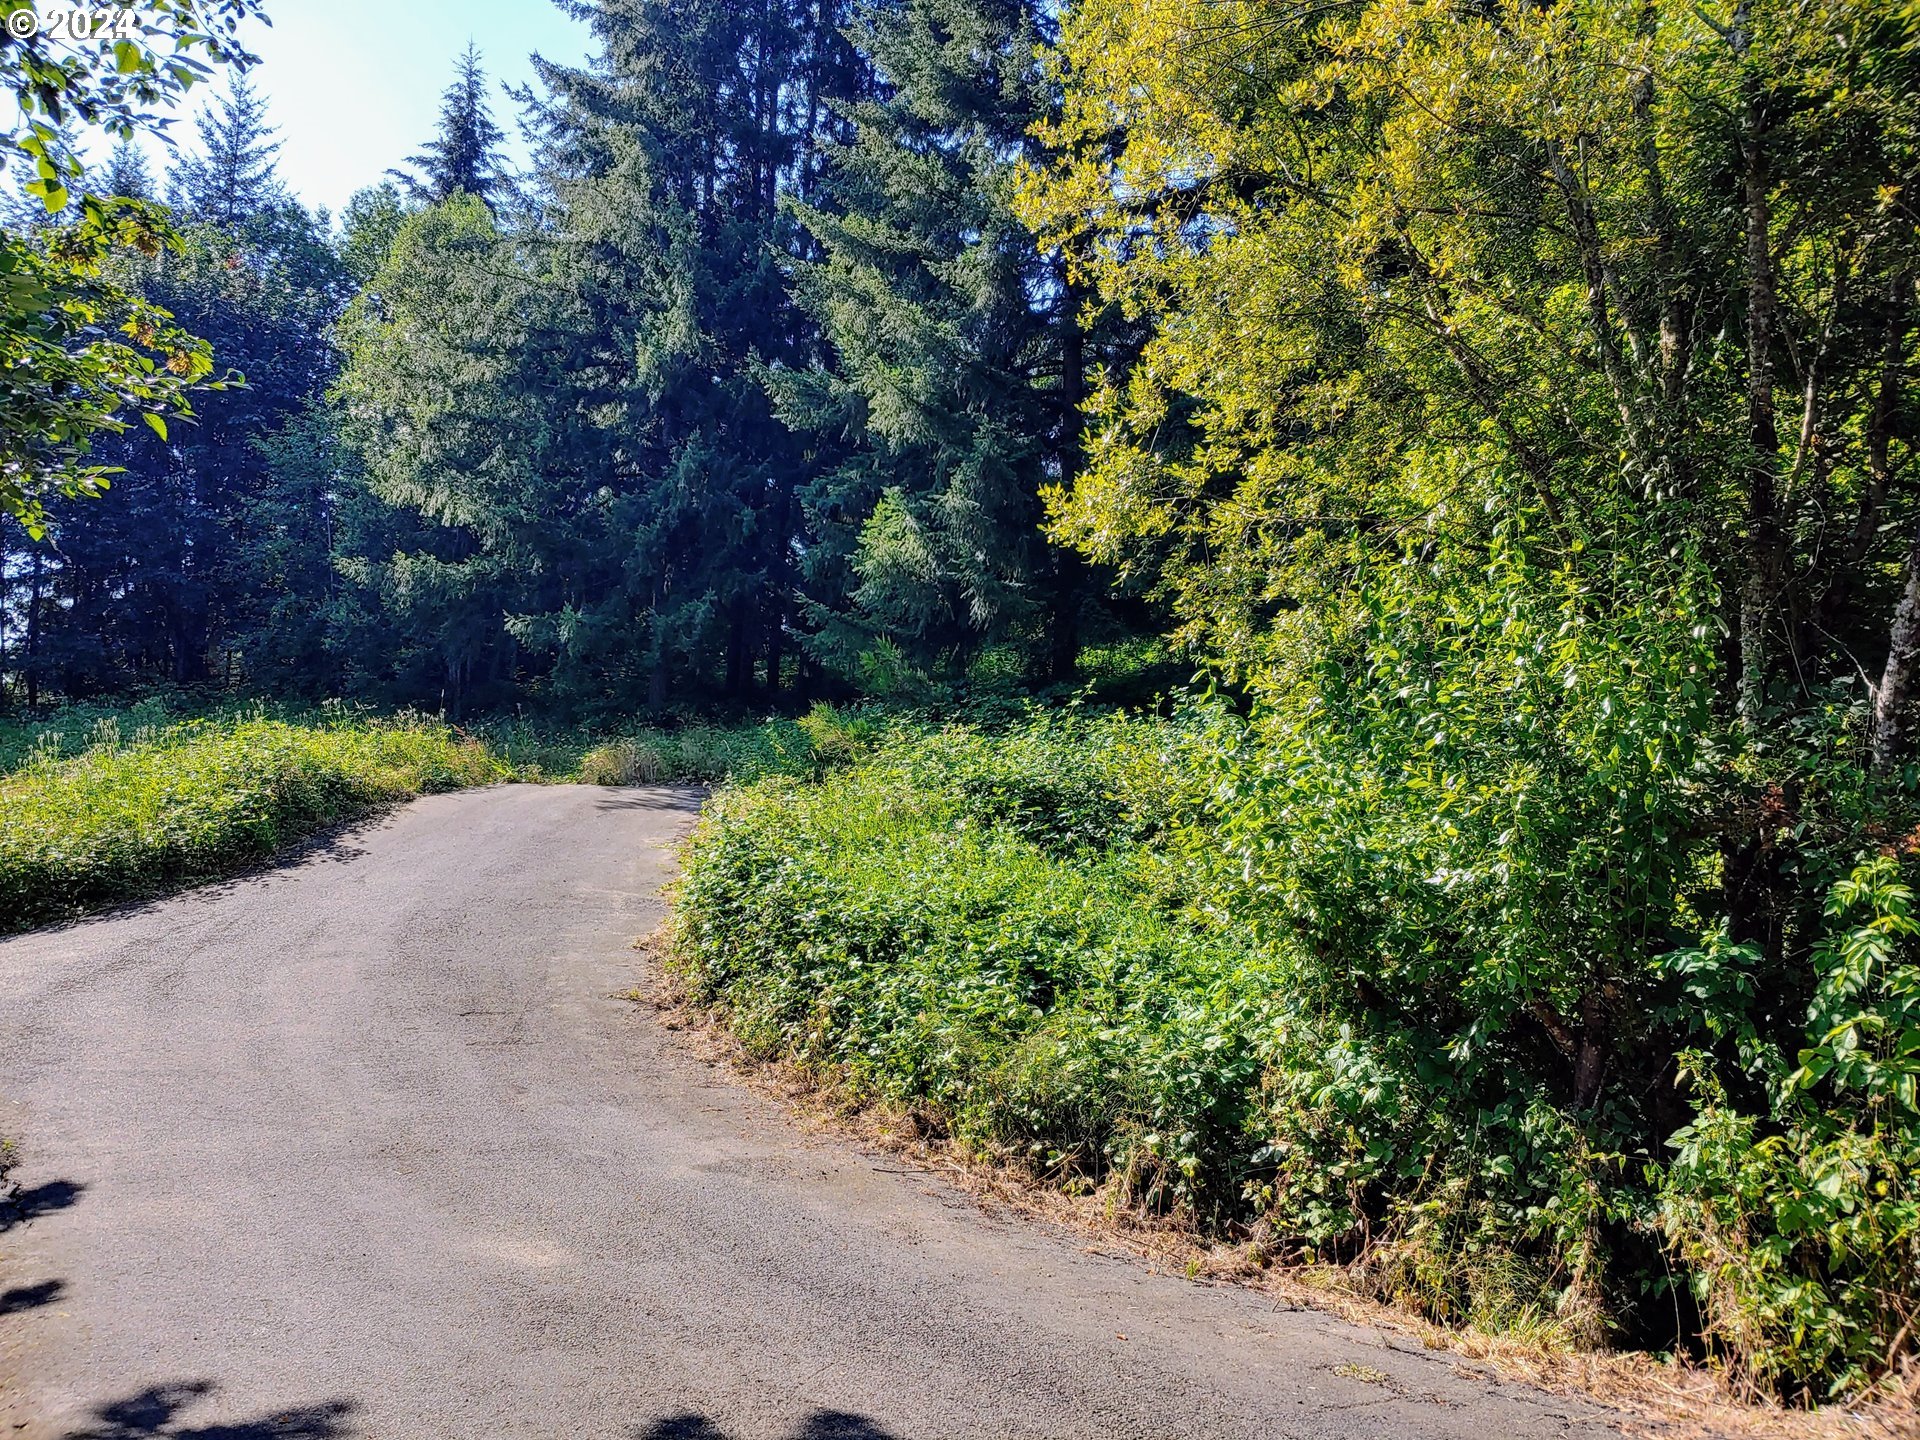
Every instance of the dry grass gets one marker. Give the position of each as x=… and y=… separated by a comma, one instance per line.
x=1654, y=1398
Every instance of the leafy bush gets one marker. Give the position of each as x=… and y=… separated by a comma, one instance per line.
x=1802, y=1226
x=202, y=799
x=957, y=921
x=1474, y=832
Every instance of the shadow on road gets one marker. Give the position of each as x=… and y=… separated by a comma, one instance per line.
x=682, y=802
x=154, y=1413
x=157, y=1412
x=821, y=1425
x=25, y=1205
x=31, y=1297
x=335, y=846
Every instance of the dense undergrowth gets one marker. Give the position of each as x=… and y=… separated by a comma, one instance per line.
x=1214, y=969
x=1048, y=941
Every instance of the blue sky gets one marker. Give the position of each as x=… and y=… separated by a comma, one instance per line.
x=354, y=85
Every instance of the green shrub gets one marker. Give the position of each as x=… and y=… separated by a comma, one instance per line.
x=1801, y=1227
x=200, y=800
x=955, y=921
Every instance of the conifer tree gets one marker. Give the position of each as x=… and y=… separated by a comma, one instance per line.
x=464, y=156
x=463, y=520
x=163, y=581
x=671, y=156
x=613, y=493
x=955, y=353
x=233, y=180
x=125, y=175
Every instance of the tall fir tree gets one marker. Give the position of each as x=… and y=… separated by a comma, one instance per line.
x=125, y=175
x=458, y=498
x=670, y=158
x=613, y=495
x=955, y=356
x=463, y=158
x=234, y=179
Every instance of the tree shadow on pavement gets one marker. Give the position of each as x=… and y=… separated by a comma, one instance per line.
x=821, y=1425
x=683, y=801
x=31, y=1297
x=154, y=1412
x=334, y=846
x=337, y=845
x=25, y=1205
x=836, y=1425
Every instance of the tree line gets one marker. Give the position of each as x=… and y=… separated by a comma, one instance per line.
x=749, y=389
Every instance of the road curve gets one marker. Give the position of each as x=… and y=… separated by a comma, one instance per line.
x=370, y=1146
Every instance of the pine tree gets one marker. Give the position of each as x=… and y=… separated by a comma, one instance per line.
x=955, y=355
x=233, y=181
x=613, y=493
x=464, y=157
x=125, y=174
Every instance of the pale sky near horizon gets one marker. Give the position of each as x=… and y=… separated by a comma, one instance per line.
x=353, y=86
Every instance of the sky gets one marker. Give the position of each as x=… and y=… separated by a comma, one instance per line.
x=354, y=86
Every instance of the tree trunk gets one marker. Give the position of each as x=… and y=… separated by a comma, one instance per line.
x=1585, y=1048
x=739, y=682
x=1761, y=581
x=1763, y=434
x=779, y=585
x=33, y=630
x=776, y=650
x=1896, y=681
x=1585, y=229
x=657, y=682
x=658, y=670
x=1069, y=569
x=6, y=594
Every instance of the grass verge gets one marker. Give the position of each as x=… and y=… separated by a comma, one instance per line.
x=101, y=805
x=200, y=800
x=693, y=753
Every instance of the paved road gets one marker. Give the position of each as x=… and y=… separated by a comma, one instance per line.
x=369, y=1146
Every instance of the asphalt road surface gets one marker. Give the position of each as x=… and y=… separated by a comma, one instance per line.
x=370, y=1145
